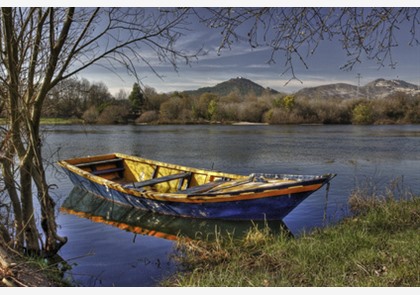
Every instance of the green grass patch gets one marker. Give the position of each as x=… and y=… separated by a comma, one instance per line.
x=379, y=246
x=53, y=121
x=60, y=121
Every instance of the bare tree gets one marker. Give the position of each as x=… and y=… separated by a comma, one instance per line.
x=39, y=47
x=294, y=33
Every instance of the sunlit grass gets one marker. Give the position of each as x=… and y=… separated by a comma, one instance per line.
x=60, y=121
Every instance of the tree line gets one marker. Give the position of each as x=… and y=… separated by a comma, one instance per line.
x=92, y=103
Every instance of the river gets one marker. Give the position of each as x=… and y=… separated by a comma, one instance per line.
x=110, y=254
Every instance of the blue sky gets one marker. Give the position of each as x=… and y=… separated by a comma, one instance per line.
x=241, y=60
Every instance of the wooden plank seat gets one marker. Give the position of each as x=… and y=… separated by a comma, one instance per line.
x=93, y=166
x=157, y=180
x=103, y=162
x=107, y=171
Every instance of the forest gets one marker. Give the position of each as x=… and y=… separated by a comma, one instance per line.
x=79, y=100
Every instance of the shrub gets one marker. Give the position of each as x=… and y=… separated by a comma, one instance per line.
x=288, y=102
x=363, y=114
x=148, y=117
x=113, y=114
x=170, y=109
x=251, y=111
x=91, y=115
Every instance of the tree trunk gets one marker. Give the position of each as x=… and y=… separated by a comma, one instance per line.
x=53, y=242
x=31, y=232
x=16, y=207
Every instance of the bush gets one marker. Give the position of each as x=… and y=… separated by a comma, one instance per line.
x=251, y=111
x=227, y=112
x=363, y=114
x=148, y=117
x=113, y=114
x=90, y=116
x=170, y=109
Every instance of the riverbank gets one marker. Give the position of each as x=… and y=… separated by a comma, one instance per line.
x=378, y=247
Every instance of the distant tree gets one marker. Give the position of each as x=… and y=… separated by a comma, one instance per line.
x=90, y=116
x=232, y=97
x=212, y=109
x=121, y=95
x=288, y=102
x=113, y=114
x=202, y=108
x=98, y=95
x=171, y=109
x=153, y=99
x=65, y=100
x=277, y=101
x=148, y=117
x=136, y=98
x=72, y=97
x=363, y=113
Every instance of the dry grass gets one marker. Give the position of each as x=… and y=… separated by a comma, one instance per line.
x=379, y=246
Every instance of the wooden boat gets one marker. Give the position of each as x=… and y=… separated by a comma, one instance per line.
x=84, y=204
x=189, y=192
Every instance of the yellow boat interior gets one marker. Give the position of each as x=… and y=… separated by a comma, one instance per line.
x=139, y=173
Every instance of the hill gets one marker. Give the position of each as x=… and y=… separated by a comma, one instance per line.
x=381, y=88
x=338, y=90
x=378, y=88
x=241, y=85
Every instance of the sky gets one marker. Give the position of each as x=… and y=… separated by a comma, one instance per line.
x=242, y=61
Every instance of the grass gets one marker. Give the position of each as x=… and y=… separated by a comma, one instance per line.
x=379, y=246
x=60, y=121
x=53, y=121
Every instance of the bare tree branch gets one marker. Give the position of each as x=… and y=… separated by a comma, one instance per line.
x=294, y=33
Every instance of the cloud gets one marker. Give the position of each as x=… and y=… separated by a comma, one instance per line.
x=241, y=60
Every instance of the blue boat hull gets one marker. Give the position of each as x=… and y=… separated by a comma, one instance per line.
x=271, y=208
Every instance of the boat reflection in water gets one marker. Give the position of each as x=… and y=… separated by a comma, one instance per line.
x=87, y=205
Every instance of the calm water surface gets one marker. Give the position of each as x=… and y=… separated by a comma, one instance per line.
x=102, y=254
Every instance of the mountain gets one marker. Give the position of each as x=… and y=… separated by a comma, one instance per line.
x=338, y=90
x=241, y=85
x=376, y=89
x=381, y=88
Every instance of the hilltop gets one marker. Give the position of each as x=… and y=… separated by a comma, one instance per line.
x=241, y=85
